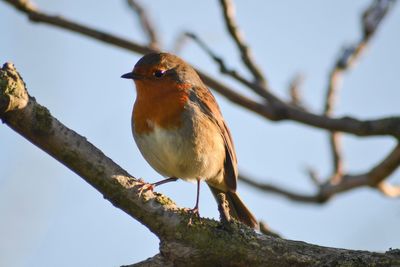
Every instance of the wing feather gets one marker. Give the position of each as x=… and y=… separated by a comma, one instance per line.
x=207, y=103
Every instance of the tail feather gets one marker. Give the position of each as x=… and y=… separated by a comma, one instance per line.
x=237, y=209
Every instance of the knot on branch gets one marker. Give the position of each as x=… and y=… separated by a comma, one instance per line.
x=13, y=94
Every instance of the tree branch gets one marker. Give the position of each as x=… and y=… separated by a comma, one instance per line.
x=146, y=24
x=228, y=11
x=294, y=91
x=389, y=190
x=156, y=261
x=224, y=69
x=36, y=15
x=275, y=110
x=203, y=243
x=371, y=19
x=373, y=178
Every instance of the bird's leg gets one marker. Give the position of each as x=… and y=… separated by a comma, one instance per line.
x=146, y=186
x=196, y=207
x=195, y=210
x=171, y=179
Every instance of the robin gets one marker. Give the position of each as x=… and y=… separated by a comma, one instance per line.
x=179, y=129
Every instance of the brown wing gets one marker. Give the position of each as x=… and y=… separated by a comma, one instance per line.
x=206, y=101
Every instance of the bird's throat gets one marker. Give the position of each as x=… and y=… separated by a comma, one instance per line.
x=160, y=107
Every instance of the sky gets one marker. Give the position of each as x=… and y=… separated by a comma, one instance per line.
x=51, y=217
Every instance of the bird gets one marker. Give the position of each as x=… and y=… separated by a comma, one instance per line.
x=179, y=130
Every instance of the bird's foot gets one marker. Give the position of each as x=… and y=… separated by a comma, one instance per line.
x=194, y=215
x=143, y=186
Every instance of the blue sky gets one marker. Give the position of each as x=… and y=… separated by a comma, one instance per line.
x=51, y=217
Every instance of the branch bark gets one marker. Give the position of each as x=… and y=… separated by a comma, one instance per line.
x=204, y=243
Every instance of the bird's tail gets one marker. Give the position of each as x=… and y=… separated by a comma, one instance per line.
x=237, y=209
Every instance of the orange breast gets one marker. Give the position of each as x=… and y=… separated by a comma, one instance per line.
x=158, y=104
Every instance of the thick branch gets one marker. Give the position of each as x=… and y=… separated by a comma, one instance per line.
x=276, y=110
x=204, y=243
x=156, y=261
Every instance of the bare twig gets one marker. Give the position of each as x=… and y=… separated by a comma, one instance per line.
x=275, y=110
x=146, y=24
x=371, y=19
x=292, y=195
x=373, y=16
x=179, y=43
x=389, y=190
x=294, y=91
x=222, y=66
x=37, y=16
x=312, y=173
x=373, y=178
x=337, y=158
x=334, y=137
x=260, y=90
x=229, y=14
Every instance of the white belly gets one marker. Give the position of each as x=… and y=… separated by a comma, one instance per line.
x=185, y=153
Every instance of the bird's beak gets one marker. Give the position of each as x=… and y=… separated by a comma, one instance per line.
x=131, y=75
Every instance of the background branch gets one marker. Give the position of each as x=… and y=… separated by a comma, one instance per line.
x=146, y=24
x=295, y=91
x=222, y=66
x=228, y=11
x=373, y=178
x=372, y=17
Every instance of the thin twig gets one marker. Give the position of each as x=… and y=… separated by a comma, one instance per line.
x=278, y=111
x=337, y=158
x=179, y=43
x=334, y=137
x=373, y=178
x=36, y=15
x=222, y=66
x=290, y=194
x=146, y=24
x=314, y=177
x=229, y=16
x=389, y=190
x=372, y=17
x=294, y=91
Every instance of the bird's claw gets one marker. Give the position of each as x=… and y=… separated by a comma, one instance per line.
x=143, y=186
x=194, y=214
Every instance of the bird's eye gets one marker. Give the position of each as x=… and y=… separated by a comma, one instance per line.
x=159, y=73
